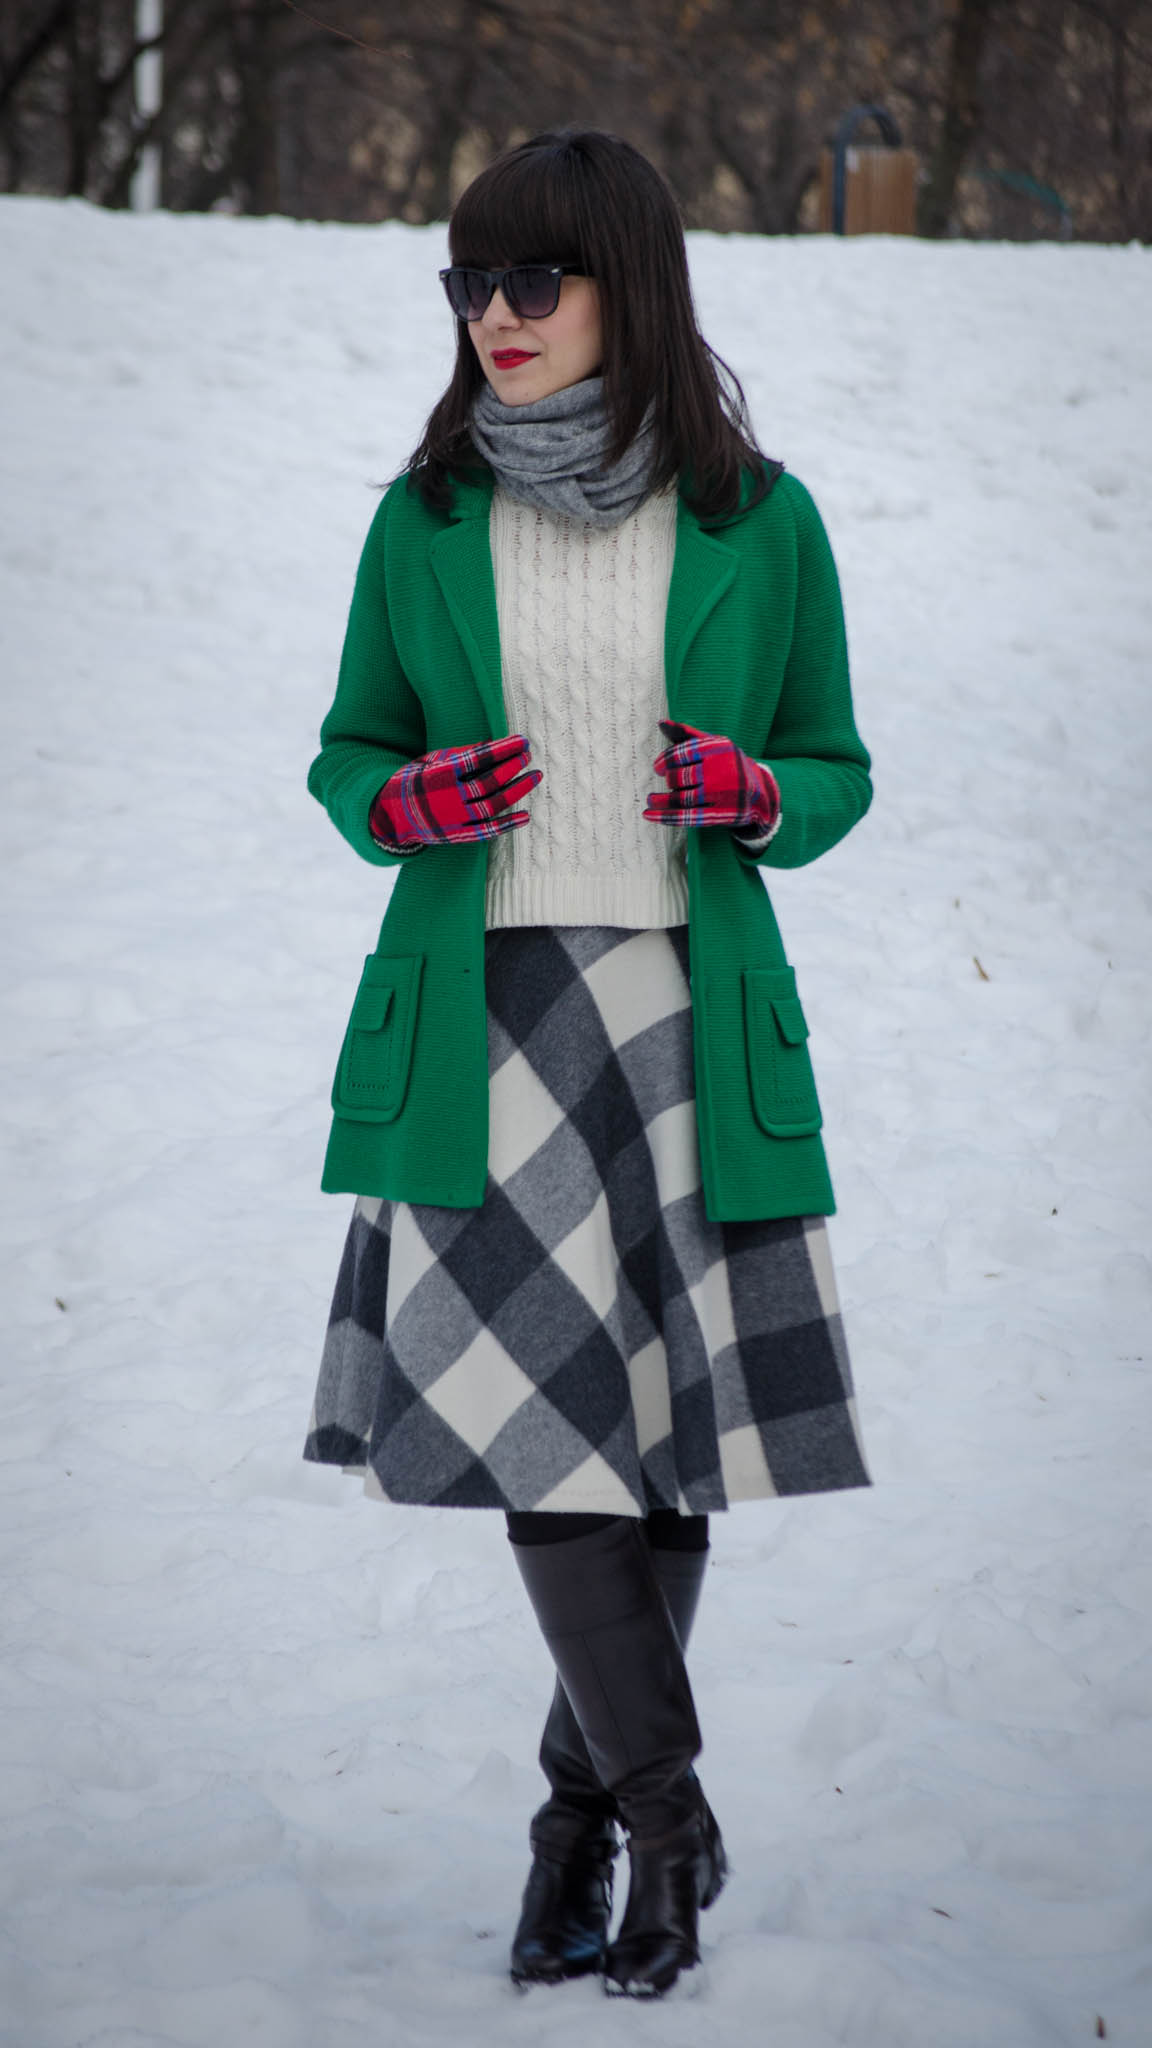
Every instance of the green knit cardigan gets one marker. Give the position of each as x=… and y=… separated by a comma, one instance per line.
x=754, y=648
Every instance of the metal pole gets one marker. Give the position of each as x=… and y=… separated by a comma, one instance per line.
x=147, y=82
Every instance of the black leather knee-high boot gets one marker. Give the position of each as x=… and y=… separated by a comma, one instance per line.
x=605, y=1619
x=567, y=1904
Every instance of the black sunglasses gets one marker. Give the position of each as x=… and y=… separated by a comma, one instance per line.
x=531, y=289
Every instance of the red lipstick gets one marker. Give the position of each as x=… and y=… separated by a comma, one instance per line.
x=508, y=358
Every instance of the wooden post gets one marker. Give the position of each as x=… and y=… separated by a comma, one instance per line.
x=879, y=190
x=868, y=189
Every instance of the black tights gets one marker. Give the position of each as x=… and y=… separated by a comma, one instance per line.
x=664, y=1528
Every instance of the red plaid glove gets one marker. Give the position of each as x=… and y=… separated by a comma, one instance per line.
x=454, y=795
x=712, y=781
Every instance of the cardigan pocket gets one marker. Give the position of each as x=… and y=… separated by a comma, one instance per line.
x=779, y=1069
x=372, y=1074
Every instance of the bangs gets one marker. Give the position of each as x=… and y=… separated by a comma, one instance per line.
x=589, y=199
x=520, y=212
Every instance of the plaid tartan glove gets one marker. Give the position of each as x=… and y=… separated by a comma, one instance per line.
x=712, y=781
x=454, y=795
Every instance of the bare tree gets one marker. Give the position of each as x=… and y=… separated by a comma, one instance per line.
x=963, y=114
x=1026, y=115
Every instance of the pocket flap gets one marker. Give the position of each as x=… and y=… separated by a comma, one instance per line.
x=372, y=1007
x=790, y=1019
x=372, y=1072
x=779, y=1070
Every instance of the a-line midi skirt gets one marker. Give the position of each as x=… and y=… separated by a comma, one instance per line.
x=586, y=1340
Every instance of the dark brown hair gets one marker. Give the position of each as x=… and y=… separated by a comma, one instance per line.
x=583, y=196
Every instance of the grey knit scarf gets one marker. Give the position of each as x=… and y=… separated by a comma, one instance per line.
x=549, y=451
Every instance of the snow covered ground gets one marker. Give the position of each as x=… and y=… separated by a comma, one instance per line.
x=267, y=1747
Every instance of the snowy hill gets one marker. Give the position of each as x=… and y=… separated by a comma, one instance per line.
x=267, y=1748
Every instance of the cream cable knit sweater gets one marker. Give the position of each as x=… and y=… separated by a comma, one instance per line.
x=581, y=611
x=581, y=615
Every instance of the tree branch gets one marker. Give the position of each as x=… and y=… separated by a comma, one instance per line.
x=1108, y=18
x=116, y=190
x=39, y=41
x=527, y=20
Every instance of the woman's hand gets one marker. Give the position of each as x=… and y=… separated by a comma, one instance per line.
x=454, y=795
x=712, y=781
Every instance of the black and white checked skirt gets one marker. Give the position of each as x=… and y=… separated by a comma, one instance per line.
x=586, y=1340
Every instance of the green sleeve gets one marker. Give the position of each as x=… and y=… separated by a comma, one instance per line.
x=376, y=723
x=813, y=748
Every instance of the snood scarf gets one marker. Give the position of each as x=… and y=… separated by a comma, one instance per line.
x=549, y=452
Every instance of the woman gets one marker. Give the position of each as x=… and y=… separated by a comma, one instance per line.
x=587, y=1278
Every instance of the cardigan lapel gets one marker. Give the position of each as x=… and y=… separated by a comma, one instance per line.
x=702, y=570
x=462, y=563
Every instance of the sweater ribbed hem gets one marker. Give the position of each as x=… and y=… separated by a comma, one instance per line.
x=638, y=902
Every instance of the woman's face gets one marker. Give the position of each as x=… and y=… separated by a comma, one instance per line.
x=527, y=359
